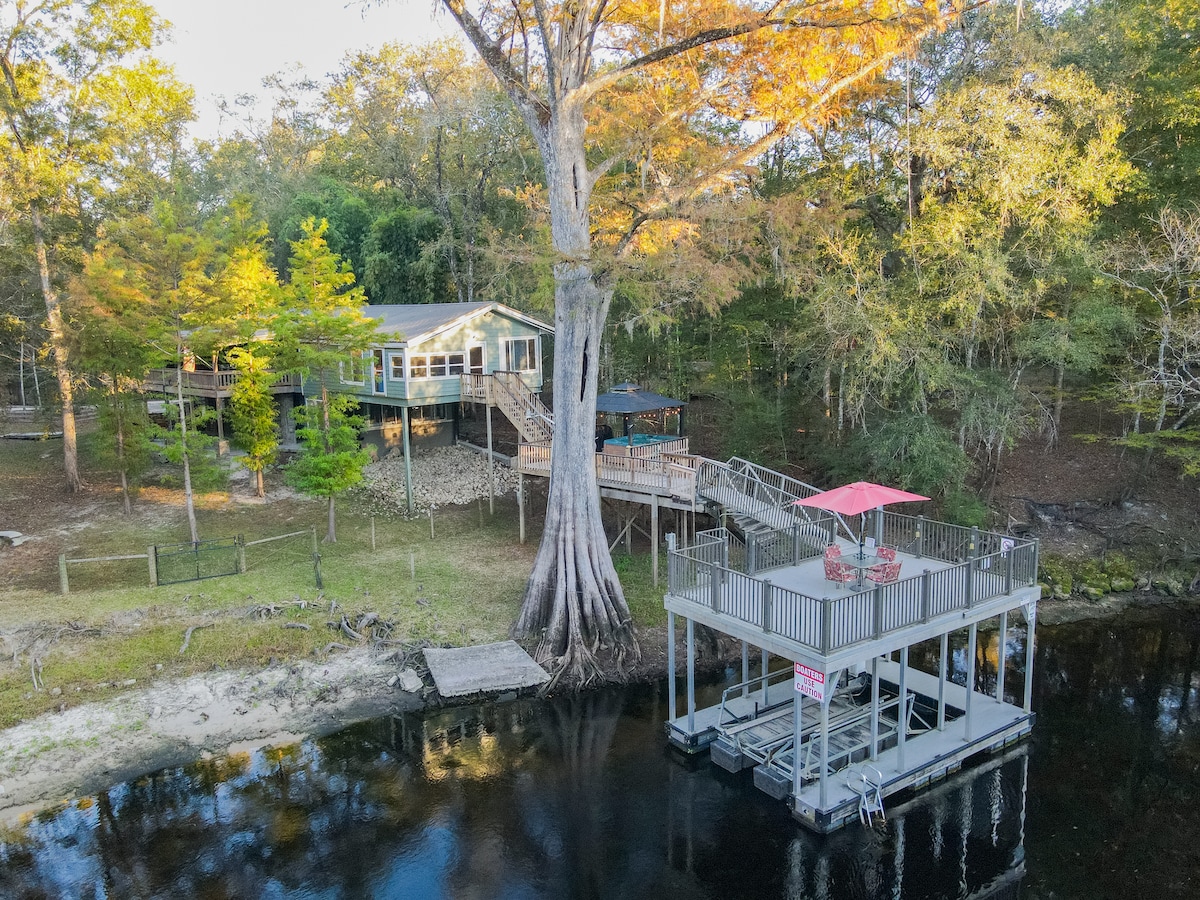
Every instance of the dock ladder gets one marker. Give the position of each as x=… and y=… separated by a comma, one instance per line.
x=867, y=782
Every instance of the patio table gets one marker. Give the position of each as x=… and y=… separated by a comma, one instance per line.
x=860, y=562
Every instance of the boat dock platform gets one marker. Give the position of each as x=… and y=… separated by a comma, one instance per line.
x=852, y=721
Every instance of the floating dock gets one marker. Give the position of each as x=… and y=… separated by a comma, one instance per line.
x=850, y=722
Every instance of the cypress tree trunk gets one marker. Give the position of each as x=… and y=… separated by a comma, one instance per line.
x=574, y=602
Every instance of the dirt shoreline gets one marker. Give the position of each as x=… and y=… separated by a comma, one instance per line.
x=61, y=756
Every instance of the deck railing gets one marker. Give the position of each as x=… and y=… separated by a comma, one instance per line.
x=709, y=572
x=211, y=383
x=662, y=475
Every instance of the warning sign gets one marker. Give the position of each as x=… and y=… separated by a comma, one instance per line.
x=810, y=682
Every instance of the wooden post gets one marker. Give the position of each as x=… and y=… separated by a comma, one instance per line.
x=491, y=466
x=63, y=582
x=152, y=562
x=241, y=557
x=431, y=536
x=412, y=565
x=316, y=558
x=372, y=534
x=521, y=503
x=404, y=434
x=654, y=537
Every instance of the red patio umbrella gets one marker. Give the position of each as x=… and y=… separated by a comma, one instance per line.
x=856, y=499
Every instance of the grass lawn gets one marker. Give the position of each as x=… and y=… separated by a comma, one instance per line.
x=459, y=586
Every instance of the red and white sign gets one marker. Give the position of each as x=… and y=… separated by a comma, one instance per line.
x=810, y=682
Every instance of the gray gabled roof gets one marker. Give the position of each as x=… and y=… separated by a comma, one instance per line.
x=410, y=324
x=628, y=398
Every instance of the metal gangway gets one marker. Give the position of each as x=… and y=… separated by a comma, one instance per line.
x=759, y=499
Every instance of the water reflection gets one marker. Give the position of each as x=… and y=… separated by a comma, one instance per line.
x=578, y=797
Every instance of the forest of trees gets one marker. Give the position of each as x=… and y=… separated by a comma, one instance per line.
x=911, y=239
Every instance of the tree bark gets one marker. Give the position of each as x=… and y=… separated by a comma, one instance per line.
x=574, y=602
x=57, y=333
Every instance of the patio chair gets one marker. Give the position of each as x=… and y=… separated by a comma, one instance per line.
x=887, y=554
x=839, y=572
x=884, y=573
x=833, y=551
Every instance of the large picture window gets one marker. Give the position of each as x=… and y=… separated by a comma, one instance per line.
x=437, y=365
x=353, y=371
x=520, y=355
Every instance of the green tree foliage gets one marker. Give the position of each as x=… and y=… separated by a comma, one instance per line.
x=252, y=412
x=85, y=111
x=330, y=461
x=106, y=310
x=1147, y=49
x=321, y=329
x=162, y=263
x=401, y=259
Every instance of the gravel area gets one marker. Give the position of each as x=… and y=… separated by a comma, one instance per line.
x=446, y=476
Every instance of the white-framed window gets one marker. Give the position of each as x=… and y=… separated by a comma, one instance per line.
x=437, y=365
x=353, y=370
x=378, y=384
x=476, y=360
x=521, y=354
x=397, y=366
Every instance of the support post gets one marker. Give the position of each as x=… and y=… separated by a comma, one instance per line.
x=874, y=707
x=945, y=646
x=824, y=791
x=63, y=582
x=1030, y=621
x=691, y=677
x=902, y=712
x=767, y=598
x=972, y=644
x=654, y=537
x=797, y=729
x=491, y=467
x=918, y=542
x=1002, y=640
x=405, y=432
x=745, y=669
x=765, y=657
x=372, y=534
x=521, y=503
x=241, y=557
x=671, y=704
x=152, y=563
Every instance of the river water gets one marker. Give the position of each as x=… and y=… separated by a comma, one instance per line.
x=580, y=798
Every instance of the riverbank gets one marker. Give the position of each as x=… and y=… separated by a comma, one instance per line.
x=59, y=756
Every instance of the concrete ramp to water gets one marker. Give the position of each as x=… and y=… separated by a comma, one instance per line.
x=462, y=671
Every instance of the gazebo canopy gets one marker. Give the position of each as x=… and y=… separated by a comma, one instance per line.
x=628, y=398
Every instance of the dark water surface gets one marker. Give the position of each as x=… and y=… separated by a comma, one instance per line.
x=579, y=798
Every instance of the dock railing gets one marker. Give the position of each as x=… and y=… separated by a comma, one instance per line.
x=710, y=572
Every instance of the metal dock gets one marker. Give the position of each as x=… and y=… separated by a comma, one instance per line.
x=851, y=722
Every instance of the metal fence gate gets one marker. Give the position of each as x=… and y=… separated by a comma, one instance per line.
x=175, y=563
